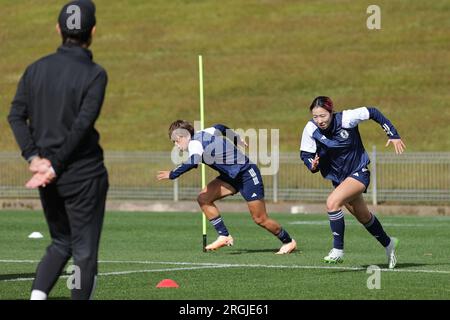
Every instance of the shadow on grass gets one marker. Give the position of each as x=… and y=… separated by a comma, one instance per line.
x=409, y=265
x=399, y=266
x=15, y=276
x=273, y=250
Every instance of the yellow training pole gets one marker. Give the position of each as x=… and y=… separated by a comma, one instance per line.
x=202, y=126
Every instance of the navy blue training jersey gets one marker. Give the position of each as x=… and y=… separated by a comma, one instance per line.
x=216, y=147
x=340, y=147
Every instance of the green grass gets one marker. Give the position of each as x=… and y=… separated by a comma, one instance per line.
x=264, y=62
x=151, y=244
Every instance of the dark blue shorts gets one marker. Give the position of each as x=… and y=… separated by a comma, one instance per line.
x=249, y=183
x=362, y=176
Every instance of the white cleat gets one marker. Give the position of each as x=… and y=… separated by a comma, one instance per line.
x=334, y=256
x=390, y=252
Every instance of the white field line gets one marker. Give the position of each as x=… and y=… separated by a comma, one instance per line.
x=116, y=273
x=218, y=265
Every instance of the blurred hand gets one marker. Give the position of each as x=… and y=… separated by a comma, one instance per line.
x=39, y=165
x=41, y=179
x=242, y=143
x=399, y=146
x=163, y=175
x=315, y=162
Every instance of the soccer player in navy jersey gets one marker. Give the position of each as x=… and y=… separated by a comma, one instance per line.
x=331, y=144
x=217, y=147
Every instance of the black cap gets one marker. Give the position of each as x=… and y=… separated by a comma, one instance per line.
x=77, y=17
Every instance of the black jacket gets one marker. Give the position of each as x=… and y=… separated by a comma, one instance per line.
x=58, y=100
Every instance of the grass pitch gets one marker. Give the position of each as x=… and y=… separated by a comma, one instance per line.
x=140, y=249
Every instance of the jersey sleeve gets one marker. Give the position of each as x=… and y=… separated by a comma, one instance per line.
x=195, y=147
x=195, y=150
x=308, y=146
x=384, y=122
x=190, y=164
x=351, y=118
x=308, y=143
x=18, y=119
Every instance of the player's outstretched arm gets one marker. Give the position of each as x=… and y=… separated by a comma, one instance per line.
x=190, y=164
x=384, y=122
x=388, y=127
x=163, y=175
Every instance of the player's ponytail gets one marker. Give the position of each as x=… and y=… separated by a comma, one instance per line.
x=323, y=102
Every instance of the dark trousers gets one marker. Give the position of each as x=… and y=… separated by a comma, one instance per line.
x=74, y=214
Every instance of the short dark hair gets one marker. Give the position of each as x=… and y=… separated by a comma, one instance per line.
x=323, y=102
x=181, y=124
x=84, y=38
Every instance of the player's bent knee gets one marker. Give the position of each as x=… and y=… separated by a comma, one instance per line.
x=203, y=199
x=333, y=204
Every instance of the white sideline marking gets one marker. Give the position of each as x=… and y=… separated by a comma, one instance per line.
x=160, y=270
x=116, y=273
x=205, y=265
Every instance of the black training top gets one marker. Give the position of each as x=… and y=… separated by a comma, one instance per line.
x=58, y=100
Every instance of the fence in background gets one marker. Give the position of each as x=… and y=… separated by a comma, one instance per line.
x=411, y=177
